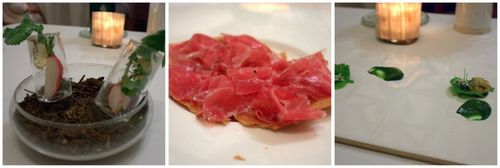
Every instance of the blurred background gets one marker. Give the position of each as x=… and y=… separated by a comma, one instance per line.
x=444, y=8
x=144, y=17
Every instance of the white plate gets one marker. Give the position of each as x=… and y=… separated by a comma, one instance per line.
x=294, y=28
x=418, y=113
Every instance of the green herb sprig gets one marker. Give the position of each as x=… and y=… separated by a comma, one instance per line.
x=342, y=75
x=139, y=68
x=14, y=36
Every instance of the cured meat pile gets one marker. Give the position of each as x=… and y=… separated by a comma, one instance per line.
x=239, y=78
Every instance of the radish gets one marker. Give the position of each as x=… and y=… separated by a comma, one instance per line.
x=53, y=76
x=116, y=99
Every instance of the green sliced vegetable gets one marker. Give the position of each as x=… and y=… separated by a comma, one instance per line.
x=477, y=87
x=342, y=75
x=475, y=110
x=387, y=73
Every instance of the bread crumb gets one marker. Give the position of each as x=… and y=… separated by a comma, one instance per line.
x=238, y=157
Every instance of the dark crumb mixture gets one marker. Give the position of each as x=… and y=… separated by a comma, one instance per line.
x=77, y=141
x=238, y=157
x=81, y=111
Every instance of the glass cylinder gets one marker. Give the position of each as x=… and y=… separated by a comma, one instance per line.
x=473, y=18
x=107, y=29
x=48, y=62
x=126, y=85
x=398, y=23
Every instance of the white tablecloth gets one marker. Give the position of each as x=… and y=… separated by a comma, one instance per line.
x=149, y=150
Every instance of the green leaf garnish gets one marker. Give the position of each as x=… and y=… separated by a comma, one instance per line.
x=342, y=75
x=48, y=43
x=15, y=36
x=156, y=40
x=475, y=110
x=139, y=67
x=387, y=73
x=21, y=32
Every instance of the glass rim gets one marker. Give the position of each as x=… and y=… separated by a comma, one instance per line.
x=139, y=43
x=34, y=36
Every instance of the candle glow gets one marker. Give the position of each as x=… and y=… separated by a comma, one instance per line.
x=398, y=22
x=107, y=29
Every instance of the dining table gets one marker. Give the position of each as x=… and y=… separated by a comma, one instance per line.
x=413, y=120
x=150, y=150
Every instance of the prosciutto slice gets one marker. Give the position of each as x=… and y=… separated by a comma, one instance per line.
x=310, y=73
x=237, y=74
x=185, y=82
x=246, y=51
x=250, y=80
x=222, y=103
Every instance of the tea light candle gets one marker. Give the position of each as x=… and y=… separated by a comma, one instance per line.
x=398, y=23
x=107, y=29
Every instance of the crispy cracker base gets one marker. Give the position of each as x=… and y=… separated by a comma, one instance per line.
x=249, y=118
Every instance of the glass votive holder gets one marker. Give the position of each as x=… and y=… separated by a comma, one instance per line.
x=107, y=29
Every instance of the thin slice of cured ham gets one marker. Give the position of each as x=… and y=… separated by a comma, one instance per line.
x=310, y=73
x=297, y=105
x=189, y=51
x=250, y=80
x=185, y=82
x=222, y=103
x=281, y=107
x=201, y=51
x=247, y=51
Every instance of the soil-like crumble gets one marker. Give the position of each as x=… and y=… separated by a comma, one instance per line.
x=81, y=111
x=76, y=140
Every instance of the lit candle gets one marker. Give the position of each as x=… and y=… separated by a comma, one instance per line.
x=107, y=29
x=398, y=22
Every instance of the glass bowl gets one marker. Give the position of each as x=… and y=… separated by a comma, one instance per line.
x=79, y=141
